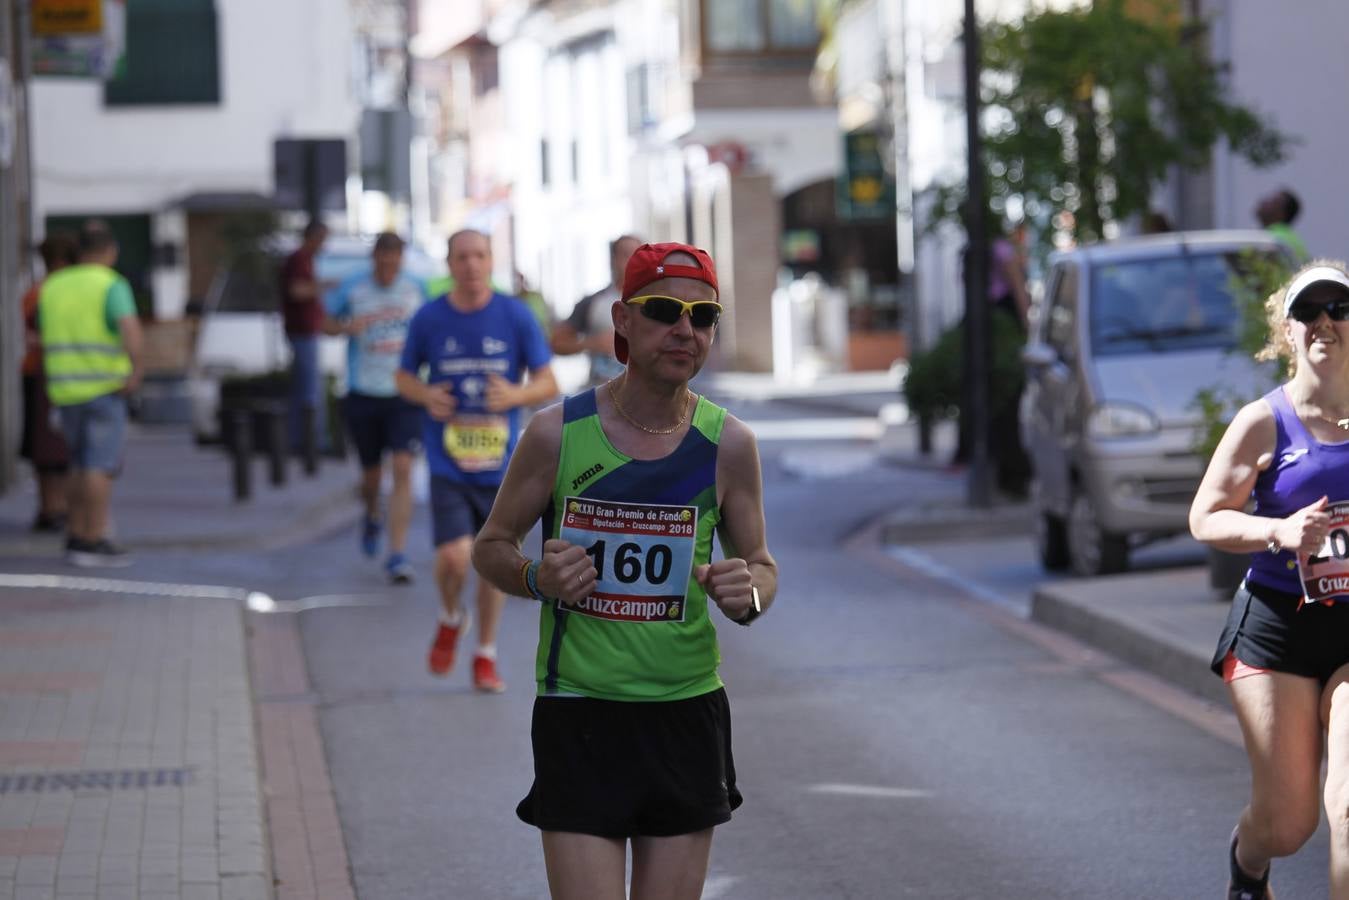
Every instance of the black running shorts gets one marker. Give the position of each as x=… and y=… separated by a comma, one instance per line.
x=619, y=770
x=378, y=424
x=1267, y=629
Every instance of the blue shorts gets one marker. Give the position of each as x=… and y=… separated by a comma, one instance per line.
x=458, y=510
x=379, y=424
x=96, y=433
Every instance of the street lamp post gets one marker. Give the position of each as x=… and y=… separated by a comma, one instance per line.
x=979, y=487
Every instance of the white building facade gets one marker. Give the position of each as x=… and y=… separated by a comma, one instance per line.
x=282, y=70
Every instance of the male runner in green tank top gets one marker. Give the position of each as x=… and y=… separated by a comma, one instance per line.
x=631, y=729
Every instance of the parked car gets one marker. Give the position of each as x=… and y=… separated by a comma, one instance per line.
x=240, y=332
x=1125, y=336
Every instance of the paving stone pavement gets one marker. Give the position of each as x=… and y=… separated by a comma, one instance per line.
x=128, y=761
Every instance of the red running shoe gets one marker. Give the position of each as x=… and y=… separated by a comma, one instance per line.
x=441, y=658
x=485, y=675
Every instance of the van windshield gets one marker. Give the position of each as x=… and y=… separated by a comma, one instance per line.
x=1185, y=301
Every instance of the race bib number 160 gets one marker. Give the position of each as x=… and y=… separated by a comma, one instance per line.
x=642, y=552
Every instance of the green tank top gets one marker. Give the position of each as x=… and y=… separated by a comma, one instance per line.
x=644, y=634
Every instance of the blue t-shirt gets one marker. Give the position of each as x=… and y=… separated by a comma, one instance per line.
x=461, y=348
x=372, y=355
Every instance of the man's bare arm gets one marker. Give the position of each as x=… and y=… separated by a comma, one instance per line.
x=520, y=502
x=502, y=395
x=133, y=342
x=743, y=530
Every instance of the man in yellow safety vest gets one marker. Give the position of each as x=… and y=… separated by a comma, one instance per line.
x=91, y=354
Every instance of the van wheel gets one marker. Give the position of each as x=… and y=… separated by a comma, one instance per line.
x=1092, y=550
x=1051, y=542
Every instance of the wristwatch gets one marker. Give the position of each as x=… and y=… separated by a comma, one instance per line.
x=754, y=611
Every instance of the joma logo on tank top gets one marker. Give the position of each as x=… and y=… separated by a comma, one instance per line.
x=585, y=476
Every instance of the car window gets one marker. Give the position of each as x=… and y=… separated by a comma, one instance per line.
x=1181, y=301
x=1062, y=322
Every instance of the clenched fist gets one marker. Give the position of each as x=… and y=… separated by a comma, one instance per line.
x=728, y=584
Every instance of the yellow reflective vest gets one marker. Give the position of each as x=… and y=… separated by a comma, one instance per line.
x=83, y=357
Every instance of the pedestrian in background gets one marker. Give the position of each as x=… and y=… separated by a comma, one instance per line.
x=302, y=313
x=92, y=359
x=631, y=729
x=476, y=345
x=1276, y=212
x=373, y=310
x=1285, y=658
x=43, y=444
x=590, y=328
x=531, y=298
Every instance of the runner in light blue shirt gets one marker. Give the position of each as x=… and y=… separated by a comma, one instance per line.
x=373, y=309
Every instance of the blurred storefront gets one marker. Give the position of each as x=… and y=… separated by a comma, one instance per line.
x=567, y=124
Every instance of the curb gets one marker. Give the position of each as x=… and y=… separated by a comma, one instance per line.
x=1151, y=649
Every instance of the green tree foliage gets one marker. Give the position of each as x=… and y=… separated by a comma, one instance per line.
x=1258, y=276
x=1086, y=109
x=932, y=387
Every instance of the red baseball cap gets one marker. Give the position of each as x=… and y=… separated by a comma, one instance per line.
x=648, y=264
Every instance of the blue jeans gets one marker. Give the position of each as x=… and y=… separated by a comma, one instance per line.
x=306, y=390
x=96, y=433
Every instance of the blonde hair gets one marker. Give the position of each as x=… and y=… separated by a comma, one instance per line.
x=1277, y=346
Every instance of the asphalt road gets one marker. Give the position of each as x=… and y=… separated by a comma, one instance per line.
x=895, y=735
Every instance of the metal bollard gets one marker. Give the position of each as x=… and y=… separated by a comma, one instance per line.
x=241, y=452
x=275, y=417
x=309, y=437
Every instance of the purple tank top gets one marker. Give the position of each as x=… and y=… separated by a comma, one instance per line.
x=1303, y=471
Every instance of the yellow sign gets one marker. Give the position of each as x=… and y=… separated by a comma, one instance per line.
x=58, y=18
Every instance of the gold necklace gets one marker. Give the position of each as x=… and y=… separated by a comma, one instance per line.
x=688, y=395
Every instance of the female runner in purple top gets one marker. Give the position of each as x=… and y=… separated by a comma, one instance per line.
x=1286, y=662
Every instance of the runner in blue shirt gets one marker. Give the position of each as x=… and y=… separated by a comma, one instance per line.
x=475, y=347
x=373, y=308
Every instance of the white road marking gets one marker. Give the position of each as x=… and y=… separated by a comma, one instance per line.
x=852, y=428
x=718, y=886
x=320, y=601
x=869, y=790
x=114, y=585
x=256, y=601
x=917, y=559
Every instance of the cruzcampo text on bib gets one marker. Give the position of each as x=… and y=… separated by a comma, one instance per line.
x=1325, y=574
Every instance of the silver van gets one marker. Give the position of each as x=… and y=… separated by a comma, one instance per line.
x=1123, y=339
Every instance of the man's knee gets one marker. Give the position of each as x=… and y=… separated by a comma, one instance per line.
x=401, y=467
x=454, y=557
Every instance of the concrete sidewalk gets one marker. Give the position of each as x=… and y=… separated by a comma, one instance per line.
x=128, y=766
x=1166, y=622
x=174, y=494
x=151, y=745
